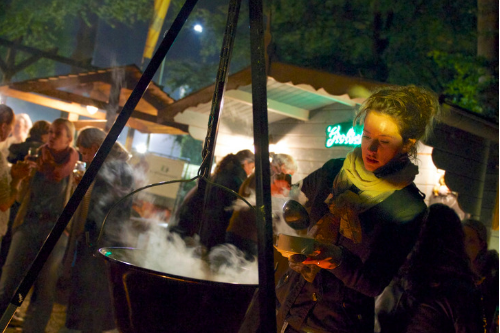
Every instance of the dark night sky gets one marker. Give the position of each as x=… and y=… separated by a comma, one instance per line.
x=124, y=45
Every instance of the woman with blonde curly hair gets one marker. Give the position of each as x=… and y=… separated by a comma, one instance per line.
x=365, y=214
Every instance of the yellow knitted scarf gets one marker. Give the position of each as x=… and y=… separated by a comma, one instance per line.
x=347, y=203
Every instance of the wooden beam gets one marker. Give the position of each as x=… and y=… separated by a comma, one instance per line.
x=144, y=116
x=79, y=124
x=31, y=60
x=70, y=98
x=469, y=122
x=70, y=80
x=50, y=102
x=45, y=54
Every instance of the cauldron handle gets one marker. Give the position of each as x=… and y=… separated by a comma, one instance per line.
x=117, y=204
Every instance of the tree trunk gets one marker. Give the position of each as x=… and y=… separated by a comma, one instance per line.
x=487, y=29
x=85, y=40
x=487, y=48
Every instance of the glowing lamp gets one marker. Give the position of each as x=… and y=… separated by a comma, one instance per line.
x=91, y=109
x=141, y=149
x=198, y=28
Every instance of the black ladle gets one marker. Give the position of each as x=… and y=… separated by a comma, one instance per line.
x=295, y=215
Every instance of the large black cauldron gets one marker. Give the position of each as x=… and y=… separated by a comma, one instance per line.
x=151, y=301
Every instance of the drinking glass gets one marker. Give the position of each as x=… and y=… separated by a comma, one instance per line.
x=79, y=169
x=32, y=154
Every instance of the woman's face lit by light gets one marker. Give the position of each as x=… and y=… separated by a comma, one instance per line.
x=381, y=141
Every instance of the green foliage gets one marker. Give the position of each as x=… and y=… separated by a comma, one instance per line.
x=377, y=39
x=41, y=22
x=328, y=35
x=191, y=75
x=460, y=76
x=469, y=82
x=127, y=12
x=202, y=72
x=190, y=148
x=49, y=24
x=430, y=43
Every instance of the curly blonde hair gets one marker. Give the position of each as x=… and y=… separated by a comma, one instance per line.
x=413, y=108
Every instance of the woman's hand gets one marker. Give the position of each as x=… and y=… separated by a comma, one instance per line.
x=327, y=256
x=308, y=272
x=20, y=170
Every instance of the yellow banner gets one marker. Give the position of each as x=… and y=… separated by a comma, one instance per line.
x=161, y=7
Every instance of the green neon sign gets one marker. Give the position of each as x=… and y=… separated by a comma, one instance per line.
x=336, y=135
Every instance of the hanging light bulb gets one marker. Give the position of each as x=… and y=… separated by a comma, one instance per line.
x=91, y=109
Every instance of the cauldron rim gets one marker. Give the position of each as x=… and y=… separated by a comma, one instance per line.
x=102, y=251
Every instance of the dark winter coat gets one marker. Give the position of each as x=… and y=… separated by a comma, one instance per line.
x=453, y=306
x=17, y=151
x=342, y=299
x=487, y=263
x=90, y=307
x=218, y=206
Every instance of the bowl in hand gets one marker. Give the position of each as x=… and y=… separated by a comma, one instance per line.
x=289, y=245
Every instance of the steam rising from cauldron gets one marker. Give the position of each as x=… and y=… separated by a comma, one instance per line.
x=277, y=201
x=167, y=252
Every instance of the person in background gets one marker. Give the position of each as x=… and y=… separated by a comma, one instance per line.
x=435, y=291
x=242, y=230
x=230, y=172
x=10, y=178
x=38, y=135
x=90, y=307
x=45, y=194
x=19, y=133
x=365, y=213
x=484, y=263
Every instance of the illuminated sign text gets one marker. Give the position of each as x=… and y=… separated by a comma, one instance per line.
x=335, y=136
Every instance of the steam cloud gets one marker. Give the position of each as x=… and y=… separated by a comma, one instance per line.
x=167, y=252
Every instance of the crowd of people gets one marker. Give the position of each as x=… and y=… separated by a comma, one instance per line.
x=383, y=260
x=37, y=179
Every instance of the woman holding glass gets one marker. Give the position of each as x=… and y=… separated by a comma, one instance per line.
x=45, y=195
x=365, y=214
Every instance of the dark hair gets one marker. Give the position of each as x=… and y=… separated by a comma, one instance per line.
x=439, y=254
x=479, y=228
x=245, y=156
x=228, y=163
x=38, y=129
x=6, y=115
x=413, y=108
x=90, y=136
